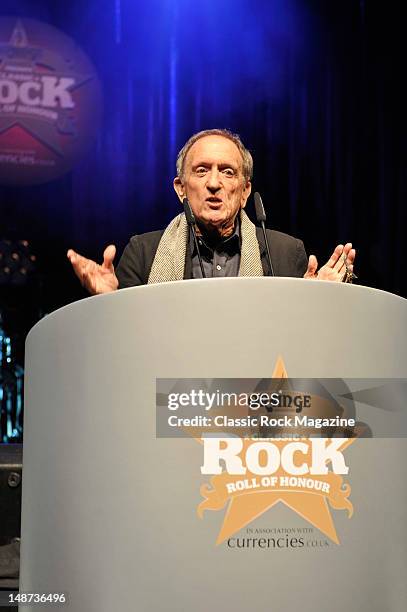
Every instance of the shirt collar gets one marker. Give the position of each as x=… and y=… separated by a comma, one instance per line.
x=231, y=244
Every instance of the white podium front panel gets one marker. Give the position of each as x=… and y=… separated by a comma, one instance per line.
x=110, y=511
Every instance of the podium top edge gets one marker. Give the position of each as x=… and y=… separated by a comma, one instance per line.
x=279, y=280
x=238, y=279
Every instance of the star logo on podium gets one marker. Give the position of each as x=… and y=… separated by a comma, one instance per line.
x=247, y=498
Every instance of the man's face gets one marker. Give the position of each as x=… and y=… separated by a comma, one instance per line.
x=213, y=182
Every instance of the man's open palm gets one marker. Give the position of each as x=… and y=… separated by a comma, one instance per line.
x=94, y=277
x=335, y=268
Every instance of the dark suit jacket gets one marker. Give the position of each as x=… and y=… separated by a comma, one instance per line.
x=287, y=254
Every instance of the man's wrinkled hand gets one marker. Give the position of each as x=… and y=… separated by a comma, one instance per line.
x=94, y=277
x=335, y=268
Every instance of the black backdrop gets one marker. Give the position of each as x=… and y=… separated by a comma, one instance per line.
x=314, y=88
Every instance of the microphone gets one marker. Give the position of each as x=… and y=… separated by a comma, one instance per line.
x=190, y=217
x=261, y=217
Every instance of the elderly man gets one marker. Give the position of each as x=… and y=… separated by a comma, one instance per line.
x=214, y=172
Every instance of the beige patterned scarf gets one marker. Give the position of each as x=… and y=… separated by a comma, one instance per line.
x=169, y=260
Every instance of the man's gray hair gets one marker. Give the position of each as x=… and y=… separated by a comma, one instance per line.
x=245, y=153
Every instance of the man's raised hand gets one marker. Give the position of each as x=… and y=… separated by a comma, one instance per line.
x=94, y=277
x=335, y=268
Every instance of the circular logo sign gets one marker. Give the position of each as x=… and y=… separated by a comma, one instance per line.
x=50, y=102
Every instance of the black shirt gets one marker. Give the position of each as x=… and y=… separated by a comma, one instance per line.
x=220, y=259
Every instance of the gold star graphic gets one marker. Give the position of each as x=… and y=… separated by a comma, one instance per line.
x=311, y=497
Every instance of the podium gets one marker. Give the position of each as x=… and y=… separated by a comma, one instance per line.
x=110, y=511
